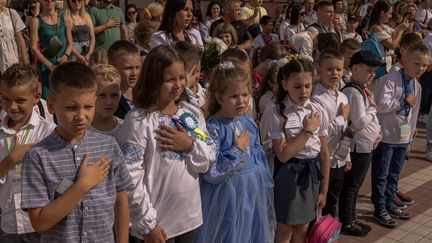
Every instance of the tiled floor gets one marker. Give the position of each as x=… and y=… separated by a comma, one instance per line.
x=415, y=181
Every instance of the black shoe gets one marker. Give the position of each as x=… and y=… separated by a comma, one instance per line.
x=363, y=225
x=354, y=229
x=384, y=218
x=396, y=212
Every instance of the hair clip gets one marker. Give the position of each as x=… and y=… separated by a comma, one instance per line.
x=226, y=65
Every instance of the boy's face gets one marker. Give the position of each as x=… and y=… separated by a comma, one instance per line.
x=74, y=109
x=108, y=98
x=267, y=28
x=347, y=57
x=331, y=71
x=363, y=73
x=129, y=67
x=193, y=75
x=18, y=101
x=415, y=64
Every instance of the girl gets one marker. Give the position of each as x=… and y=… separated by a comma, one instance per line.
x=227, y=34
x=166, y=147
x=301, y=150
x=47, y=28
x=213, y=13
x=234, y=190
x=82, y=30
x=175, y=23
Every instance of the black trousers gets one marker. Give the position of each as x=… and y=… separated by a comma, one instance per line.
x=353, y=180
x=336, y=179
x=187, y=237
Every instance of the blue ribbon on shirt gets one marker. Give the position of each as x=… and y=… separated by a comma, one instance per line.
x=408, y=86
x=306, y=167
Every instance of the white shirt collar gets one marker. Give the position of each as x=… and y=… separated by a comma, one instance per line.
x=33, y=122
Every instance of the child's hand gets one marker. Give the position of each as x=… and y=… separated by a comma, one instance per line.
x=157, y=235
x=371, y=102
x=242, y=140
x=411, y=99
x=377, y=140
x=19, y=150
x=344, y=110
x=175, y=140
x=348, y=166
x=312, y=121
x=91, y=175
x=321, y=200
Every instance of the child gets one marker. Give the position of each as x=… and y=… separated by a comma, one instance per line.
x=196, y=93
x=364, y=121
x=107, y=100
x=235, y=187
x=348, y=48
x=143, y=32
x=74, y=181
x=350, y=31
x=302, y=149
x=20, y=129
x=407, y=40
x=166, y=146
x=262, y=57
x=125, y=56
x=266, y=36
x=227, y=34
x=336, y=110
x=398, y=109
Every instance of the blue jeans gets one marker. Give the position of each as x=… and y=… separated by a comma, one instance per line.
x=387, y=162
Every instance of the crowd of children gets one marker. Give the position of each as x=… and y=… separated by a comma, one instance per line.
x=150, y=148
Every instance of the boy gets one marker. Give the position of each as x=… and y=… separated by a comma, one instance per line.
x=364, y=121
x=125, y=57
x=398, y=109
x=266, y=36
x=19, y=130
x=350, y=31
x=192, y=56
x=143, y=32
x=75, y=180
x=107, y=100
x=336, y=109
x=348, y=48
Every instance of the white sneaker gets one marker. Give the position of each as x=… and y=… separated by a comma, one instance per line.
x=429, y=156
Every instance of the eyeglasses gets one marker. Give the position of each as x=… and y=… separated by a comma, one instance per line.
x=131, y=12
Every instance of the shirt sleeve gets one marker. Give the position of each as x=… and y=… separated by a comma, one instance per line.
x=157, y=40
x=34, y=190
x=122, y=177
x=274, y=121
x=19, y=24
x=92, y=14
x=122, y=18
x=226, y=161
x=245, y=13
x=386, y=100
x=359, y=116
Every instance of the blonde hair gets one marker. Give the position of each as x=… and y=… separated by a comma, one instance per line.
x=68, y=12
x=106, y=72
x=153, y=10
x=226, y=28
x=20, y=74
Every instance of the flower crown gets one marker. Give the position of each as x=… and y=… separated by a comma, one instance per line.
x=281, y=62
x=226, y=65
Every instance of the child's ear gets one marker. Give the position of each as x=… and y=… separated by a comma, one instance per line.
x=37, y=98
x=218, y=98
x=50, y=105
x=196, y=70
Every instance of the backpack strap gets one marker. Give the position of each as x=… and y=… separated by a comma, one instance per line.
x=41, y=109
x=360, y=89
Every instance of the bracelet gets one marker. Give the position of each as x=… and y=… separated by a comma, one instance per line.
x=66, y=54
x=308, y=132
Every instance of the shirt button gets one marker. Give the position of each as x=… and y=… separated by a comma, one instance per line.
x=78, y=158
x=86, y=208
x=75, y=147
x=84, y=233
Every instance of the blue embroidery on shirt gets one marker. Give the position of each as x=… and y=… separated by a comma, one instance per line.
x=133, y=153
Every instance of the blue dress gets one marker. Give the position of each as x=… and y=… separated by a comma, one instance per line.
x=236, y=189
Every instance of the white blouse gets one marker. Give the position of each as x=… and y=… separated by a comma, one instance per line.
x=8, y=44
x=165, y=184
x=161, y=38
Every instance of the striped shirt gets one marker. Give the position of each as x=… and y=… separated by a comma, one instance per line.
x=54, y=161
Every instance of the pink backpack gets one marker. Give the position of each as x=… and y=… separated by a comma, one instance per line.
x=326, y=229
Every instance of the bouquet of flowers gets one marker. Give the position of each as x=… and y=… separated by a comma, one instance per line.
x=213, y=48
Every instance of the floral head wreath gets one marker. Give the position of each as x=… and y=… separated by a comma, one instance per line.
x=281, y=62
x=226, y=65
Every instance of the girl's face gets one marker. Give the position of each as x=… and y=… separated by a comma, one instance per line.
x=226, y=38
x=301, y=15
x=75, y=4
x=339, y=7
x=174, y=82
x=215, y=11
x=183, y=17
x=234, y=101
x=299, y=87
x=412, y=10
x=386, y=16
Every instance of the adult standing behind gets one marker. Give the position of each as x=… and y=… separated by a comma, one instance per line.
x=131, y=20
x=231, y=16
x=12, y=45
x=339, y=9
x=424, y=15
x=214, y=11
x=50, y=41
x=325, y=13
x=251, y=15
x=82, y=30
x=109, y=22
x=175, y=23
x=294, y=25
x=310, y=15
x=153, y=12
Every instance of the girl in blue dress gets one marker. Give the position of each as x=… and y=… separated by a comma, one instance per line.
x=235, y=189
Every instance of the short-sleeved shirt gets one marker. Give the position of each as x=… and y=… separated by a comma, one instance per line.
x=54, y=162
x=247, y=11
x=100, y=16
